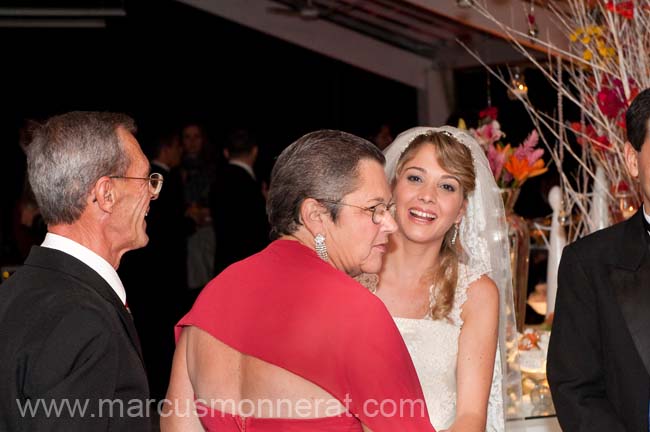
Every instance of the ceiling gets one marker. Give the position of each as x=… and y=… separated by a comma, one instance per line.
x=397, y=22
x=428, y=28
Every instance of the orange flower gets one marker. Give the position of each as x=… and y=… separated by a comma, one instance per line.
x=522, y=170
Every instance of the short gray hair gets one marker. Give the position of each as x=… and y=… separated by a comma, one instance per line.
x=322, y=164
x=68, y=154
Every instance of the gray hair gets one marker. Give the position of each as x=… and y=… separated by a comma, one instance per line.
x=320, y=165
x=68, y=154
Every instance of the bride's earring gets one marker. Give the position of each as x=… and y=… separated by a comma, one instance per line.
x=454, y=235
x=321, y=249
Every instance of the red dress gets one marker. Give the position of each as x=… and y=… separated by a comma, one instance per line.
x=289, y=308
x=216, y=421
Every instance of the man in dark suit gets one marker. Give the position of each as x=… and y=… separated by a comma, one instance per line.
x=69, y=353
x=599, y=353
x=238, y=205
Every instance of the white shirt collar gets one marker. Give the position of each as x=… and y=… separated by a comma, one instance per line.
x=88, y=257
x=245, y=166
x=647, y=218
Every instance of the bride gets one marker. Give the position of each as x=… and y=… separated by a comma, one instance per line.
x=446, y=276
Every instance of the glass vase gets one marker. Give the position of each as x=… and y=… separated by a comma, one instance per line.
x=519, y=237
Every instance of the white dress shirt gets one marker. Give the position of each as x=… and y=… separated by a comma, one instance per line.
x=88, y=257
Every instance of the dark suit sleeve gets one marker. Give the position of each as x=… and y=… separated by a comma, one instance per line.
x=74, y=369
x=575, y=356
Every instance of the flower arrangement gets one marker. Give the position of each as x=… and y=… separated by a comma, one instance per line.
x=599, y=70
x=511, y=166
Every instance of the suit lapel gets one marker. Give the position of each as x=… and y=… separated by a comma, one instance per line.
x=61, y=262
x=631, y=282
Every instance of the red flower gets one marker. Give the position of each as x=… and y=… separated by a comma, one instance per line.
x=589, y=135
x=489, y=113
x=622, y=186
x=624, y=9
x=610, y=102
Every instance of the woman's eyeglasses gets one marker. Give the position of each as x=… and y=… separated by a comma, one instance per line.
x=378, y=210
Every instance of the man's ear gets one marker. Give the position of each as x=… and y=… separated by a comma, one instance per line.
x=631, y=159
x=104, y=194
x=226, y=154
x=312, y=216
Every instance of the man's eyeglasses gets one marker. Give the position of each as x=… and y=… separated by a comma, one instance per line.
x=378, y=210
x=155, y=182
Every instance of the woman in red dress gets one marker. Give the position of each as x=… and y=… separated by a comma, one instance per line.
x=286, y=340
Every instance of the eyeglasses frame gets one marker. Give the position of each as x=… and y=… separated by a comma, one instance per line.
x=373, y=209
x=155, y=191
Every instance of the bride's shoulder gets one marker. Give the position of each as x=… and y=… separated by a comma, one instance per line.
x=474, y=280
x=474, y=287
x=482, y=296
x=483, y=284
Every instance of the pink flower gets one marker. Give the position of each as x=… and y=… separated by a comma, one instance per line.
x=511, y=166
x=527, y=149
x=488, y=134
x=497, y=156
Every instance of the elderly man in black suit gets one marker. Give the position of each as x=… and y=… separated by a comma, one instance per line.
x=599, y=353
x=67, y=339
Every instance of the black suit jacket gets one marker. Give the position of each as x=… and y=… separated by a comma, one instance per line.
x=239, y=213
x=65, y=335
x=599, y=353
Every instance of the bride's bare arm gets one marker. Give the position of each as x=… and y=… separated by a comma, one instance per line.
x=476, y=353
x=179, y=411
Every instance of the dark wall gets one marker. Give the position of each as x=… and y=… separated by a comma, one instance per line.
x=165, y=63
x=169, y=61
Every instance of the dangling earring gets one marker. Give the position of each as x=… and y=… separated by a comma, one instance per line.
x=321, y=249
x=454, y=235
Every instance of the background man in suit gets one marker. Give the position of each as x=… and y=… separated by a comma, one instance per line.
x=159, y=298
x=599, y=353
x=66, y=336
x=238, y=205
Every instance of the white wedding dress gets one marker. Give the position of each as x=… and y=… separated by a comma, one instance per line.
x=433, y=346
